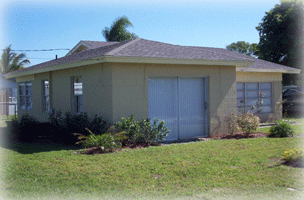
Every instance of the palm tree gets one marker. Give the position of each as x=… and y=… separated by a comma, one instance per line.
x=118, y=31
x=11, y=61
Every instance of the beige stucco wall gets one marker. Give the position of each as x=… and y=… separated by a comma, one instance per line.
x=36, y=81
x=130, y=89
x=97, y=90
x=116, y=90
x=276, y=79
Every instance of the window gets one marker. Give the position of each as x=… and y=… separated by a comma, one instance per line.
x=46, y=96
x=77, y=94
x=254, y=97
x=25, y=95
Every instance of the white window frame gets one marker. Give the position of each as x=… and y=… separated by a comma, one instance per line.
x=46, y=104
x=77, y=94
x=258, y=107
x=26, y=94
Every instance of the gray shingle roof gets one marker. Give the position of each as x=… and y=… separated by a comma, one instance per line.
x=96, y=44
x=143, y=48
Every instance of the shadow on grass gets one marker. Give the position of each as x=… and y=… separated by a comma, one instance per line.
x=42, y=145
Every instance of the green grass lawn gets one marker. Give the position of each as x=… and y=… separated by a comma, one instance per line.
x=212, y=169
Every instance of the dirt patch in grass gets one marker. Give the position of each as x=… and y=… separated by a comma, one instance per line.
x=295, y=163
x=239, y=135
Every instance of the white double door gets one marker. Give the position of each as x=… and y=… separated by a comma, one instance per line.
x=181, y=103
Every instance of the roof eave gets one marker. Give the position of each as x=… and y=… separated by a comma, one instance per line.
x=285, y=71
x=118, y=59
x=54, y=67
x=154, y=60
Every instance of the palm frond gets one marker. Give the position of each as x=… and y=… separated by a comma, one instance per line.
x=118, y=30
x=11, y=61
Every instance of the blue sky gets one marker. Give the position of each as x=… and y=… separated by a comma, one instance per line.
x=45, y=24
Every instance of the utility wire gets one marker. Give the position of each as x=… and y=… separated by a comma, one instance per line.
x=43, y=50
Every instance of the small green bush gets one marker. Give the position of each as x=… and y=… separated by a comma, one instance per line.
x=153, y=134
x=281, y=129
x=108, y=141
x=132, y=129
x=247, y=123
x=142, y=132
x=295, y=155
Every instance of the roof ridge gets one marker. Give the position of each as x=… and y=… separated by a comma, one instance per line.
x=208, y=49
x=112, y=52
x=235, y=54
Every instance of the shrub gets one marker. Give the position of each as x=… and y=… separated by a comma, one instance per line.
x=132, y=129
x=107, y=142
x=63, y=126
x=26, y=129
x=232, y=123
x=281, y=129
x=153, y=134
x=142, y=132
x=248, y=122
x=293, y=156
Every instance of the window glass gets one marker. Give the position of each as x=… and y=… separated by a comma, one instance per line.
x=29, y=89
x=22, y=103
x=240, y=94
x=265, y=93
x=266, y=109
x=252, y=86
x=77, y=94
x=78, y=86
x=251, y=102
x=46, y=98
x=21, y=89
x=25, y=96
x=252, y=94
x=251, y=109
x=265, y=86
x=28, y=102
x=258, y=95
x=240, y=102
x=46, y=88
x=266, y=101
x=240, y=86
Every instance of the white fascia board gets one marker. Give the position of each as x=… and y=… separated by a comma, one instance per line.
x=103, y=59
x=295, y=71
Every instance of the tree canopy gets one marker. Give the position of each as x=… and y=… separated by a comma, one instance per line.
x=244, y=48
x=118, y=31
x=281, y=34
x=11, y=61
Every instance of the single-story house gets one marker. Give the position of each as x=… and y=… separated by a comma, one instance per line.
x=193, y=89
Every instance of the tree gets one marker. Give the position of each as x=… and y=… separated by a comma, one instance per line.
x=281, y=35
x=244, y=48
x=118, y=31
x=11, y=61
